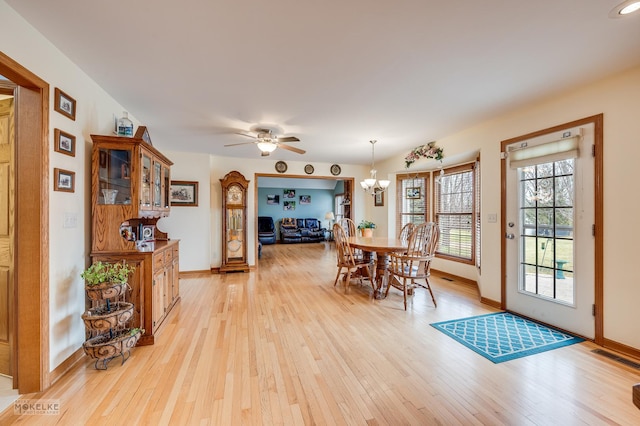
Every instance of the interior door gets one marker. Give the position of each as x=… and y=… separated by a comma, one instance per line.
x=550, y=217
x=6, y=232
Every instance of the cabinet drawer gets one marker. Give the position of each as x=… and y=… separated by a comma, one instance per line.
x=158, y=261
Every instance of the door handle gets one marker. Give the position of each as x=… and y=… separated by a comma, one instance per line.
x=509, y=236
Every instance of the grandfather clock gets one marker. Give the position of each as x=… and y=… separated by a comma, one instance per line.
x=234, y=223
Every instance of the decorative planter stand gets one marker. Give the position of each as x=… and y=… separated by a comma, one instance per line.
x=105, y=323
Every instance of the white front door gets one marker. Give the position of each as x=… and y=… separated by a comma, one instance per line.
x=549, y=229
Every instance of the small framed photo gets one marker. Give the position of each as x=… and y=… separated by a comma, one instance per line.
x=305, y=199
x=126, y=231
x=64, y=143
x=289, y=193
x=64, y=104
x=64, y=180
x=378, y=199
x=289, y=205
x=184, y=193
x=413, y=193
x=273, y=199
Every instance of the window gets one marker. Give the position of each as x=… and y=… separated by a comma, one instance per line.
x=455, y=213
x=413, y=199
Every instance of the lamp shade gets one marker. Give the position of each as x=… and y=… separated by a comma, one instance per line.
x=267, y=146
x=329, y=216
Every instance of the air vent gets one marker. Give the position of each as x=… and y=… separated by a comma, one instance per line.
x=617, y=358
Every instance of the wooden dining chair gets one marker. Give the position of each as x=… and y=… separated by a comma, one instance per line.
x=348, y=263
x=406, y=232
x=349, y=227
x=407, y=270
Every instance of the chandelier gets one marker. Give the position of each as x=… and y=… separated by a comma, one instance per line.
x=372, y=185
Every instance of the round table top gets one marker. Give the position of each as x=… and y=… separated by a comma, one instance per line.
x=378, y=244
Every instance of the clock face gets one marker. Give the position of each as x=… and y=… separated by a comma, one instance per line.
x=234, y=195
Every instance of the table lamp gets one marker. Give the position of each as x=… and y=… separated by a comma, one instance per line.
x=329, y=216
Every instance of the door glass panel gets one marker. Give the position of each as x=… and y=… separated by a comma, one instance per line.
x=145, y=184
x=157, y=184
x=114, y=171
x=547, y=221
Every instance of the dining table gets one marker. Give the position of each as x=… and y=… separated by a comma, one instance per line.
x=382, y=247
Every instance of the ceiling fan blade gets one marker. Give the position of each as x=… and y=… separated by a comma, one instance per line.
x=241, y=143
x=288, y=139
x=247, y=134
x=290, y=148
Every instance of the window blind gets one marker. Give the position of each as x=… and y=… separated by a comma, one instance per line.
x=412, y=205
x=455, y=213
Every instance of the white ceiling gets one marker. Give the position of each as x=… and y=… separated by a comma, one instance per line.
x=333, y=73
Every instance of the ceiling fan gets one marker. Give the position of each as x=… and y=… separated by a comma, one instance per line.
x=267, y=142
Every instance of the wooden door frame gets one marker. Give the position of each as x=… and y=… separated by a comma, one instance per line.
x=31, y=372
x=597, y=121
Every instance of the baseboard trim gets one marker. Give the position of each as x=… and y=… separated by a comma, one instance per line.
x=65, y=366
x=491, y=302
x=623, y=349
x=194, y=274
x=454, y=277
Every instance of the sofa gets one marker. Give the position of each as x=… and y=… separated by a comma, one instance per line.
x=294, y=230
x=266, y=230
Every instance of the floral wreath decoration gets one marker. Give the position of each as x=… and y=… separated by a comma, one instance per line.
x=429, y=150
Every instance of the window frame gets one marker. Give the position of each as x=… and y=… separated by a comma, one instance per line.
x=473, y=214
x=401, y=197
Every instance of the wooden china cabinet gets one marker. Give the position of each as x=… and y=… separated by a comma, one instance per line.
x=130, y=183
x=234, y=223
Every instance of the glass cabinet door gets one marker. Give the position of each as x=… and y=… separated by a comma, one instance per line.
x=145, y=181
x=157, y=184
x=235, y=234
x=114, y=176
x=166, y=186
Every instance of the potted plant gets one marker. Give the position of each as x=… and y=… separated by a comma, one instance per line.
x=105, y=321
x=366, y=228
x=106, y=280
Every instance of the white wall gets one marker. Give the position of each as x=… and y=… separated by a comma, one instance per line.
x=69, y=247
x=191, y=225
x=618, y=98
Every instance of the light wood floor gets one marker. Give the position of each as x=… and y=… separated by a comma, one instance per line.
x=283, y=346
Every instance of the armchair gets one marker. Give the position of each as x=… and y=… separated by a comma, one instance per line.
x=266, y=230
x=289, y=232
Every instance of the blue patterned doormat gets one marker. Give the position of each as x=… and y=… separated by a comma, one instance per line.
x=503, y=336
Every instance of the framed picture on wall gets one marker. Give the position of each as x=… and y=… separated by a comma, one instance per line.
x=273, y=199
x=289, y=193
x=378, y=199
x=289, y=205
x=63, y=180
x=64, y=104
x=305, y=199
x=64, y=143
x=184, y=193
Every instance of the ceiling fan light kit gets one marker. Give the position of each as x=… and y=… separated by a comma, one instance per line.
x=267, y=142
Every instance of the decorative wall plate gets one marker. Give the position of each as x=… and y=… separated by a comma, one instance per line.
x=281, y=167
x=308, y=169
x=335, y=170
